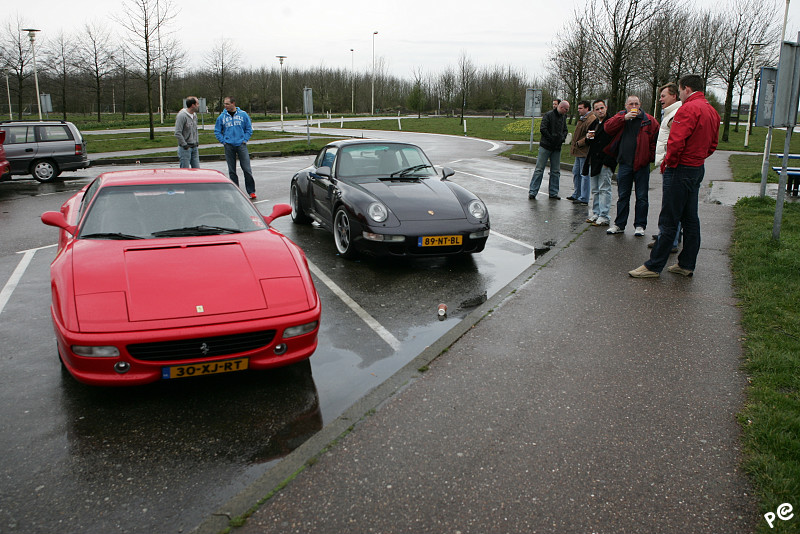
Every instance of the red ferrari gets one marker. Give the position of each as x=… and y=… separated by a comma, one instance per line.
x=173, y=273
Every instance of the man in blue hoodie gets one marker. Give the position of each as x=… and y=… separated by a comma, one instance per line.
x=233, y=129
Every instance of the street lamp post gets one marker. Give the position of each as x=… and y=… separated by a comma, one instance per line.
x=8, y=92
x=32, y=37
x=281, y=58
x=352, y=83
x=373, y=72
x=757, y=48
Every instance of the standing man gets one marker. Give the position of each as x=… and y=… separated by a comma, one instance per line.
x=692, y=139
x=580, y=149
x=553, y=129
x=556, y=102
x=233, y=129
x=634, y=146
x=186, y=133
x=599, y=166
x=670, y=102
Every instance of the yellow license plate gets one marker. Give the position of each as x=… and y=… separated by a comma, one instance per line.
x=439, y=241
x=200, y=369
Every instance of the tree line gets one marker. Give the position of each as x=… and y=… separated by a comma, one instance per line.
x=607, y=49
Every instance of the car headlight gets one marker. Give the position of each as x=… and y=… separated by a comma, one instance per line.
x=377, y=212
x=477, y=209
x=96, y=352
x=294, y=331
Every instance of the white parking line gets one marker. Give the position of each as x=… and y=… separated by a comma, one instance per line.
x=353, y=305
x=493, y=180
x=520, y=243
x=16, y=276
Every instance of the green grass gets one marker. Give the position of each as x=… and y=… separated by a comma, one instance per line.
x=747, y=168
x=98, y=143
x=110, y=121
x=286, y=148
x=767, y=280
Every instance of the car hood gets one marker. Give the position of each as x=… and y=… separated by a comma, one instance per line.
x=417, y=200
x=198, y=280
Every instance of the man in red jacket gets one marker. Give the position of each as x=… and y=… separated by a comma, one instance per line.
x=692, y=139
x=633, y=145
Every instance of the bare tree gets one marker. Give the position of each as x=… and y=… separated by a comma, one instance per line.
x=173, y=61
x=16, y=56
x=446, y=90
x=617, y=28
x=146, y=21
x=661, y=51
x=96, y=58
x=466, y=73
x=59, y=54
x=123, y=73
x=416, y=99
x=571, y=56
x=746, y=22
x=707, y=46
x=221, y=62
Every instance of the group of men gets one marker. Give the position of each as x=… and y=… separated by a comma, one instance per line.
x=628, y=142
x=233, y=129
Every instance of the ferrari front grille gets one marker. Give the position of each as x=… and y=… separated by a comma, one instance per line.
x=202, y=347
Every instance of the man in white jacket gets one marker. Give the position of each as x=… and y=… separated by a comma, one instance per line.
x=670, y=102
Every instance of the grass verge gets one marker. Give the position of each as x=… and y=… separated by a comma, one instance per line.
x=767, y=280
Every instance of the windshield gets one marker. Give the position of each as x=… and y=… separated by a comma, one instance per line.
x=383, y=160
x=169, y=210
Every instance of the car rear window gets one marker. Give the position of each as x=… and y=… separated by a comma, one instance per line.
x=54, y=133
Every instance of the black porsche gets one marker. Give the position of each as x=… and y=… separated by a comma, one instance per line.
x=386, y=198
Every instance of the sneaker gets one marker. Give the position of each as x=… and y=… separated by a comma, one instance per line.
x=643, y=272
x=677, y=269
x=614, y=229
x=639, y=231
x=602, y=221
x=531, y=197
x=570, y=197
x=555, y=197
x=253, y=196
x=592, y=218
x=652, y=243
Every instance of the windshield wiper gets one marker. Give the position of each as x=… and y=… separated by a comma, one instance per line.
x=409, y=170
x=202, y=229
x=110, y=235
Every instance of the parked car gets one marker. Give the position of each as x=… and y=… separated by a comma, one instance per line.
x=5, y=167
x=386, y=198
x=44, y=149
x=172, y=273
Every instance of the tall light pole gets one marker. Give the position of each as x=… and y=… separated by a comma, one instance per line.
x=32, y=37
x=160, y=67
x=373, y=72
x=756, y=51
x=281, y=58
x=352, y=83
x=8, y=91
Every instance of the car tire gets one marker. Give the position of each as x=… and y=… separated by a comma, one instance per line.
x=298, y=215
x=45, y=170
x=343, y=233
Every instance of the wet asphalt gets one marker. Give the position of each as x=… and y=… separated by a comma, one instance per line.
x=577, y=400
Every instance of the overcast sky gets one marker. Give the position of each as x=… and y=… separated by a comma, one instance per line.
x=412, y=34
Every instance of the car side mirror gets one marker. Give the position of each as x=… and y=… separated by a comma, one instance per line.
x=447, y=172
x=324, y=171
x=279, y=210
x=57, y=219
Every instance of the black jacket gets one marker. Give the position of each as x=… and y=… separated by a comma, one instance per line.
x=596, y=157
x=553, y=129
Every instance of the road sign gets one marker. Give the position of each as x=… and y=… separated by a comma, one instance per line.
x=766, y=96
x=533, y=102
x=308, y=101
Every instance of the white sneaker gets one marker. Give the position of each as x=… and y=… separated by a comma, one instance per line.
x=614, y=229
x=639, y=231
x=602, y=221
x=592, y=218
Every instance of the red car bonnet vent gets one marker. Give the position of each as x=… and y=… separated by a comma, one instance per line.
x=183, y=245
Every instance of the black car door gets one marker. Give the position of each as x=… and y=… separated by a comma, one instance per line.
x=322, y=187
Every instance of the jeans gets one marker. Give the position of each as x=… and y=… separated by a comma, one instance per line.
x=627, y=178
x=554, y=157
x=601, y=192
x=189, y=157
x=580, y=181
x=680, y=205
x=231, y=153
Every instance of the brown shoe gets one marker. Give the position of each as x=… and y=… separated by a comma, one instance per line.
x=677, y=269
x=643, y=272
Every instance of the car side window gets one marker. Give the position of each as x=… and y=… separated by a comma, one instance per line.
x=53, y=133
x=87, y=197
x=18, y=135
x=329, y=158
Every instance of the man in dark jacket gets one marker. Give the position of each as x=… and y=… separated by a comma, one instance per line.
x=599, y=167
x=692, y=138
x=634, y=146
x=554, y=131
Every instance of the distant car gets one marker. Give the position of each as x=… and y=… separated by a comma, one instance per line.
x=164, y=274
x=5, y=167
x=386, y=198
x=44, y=149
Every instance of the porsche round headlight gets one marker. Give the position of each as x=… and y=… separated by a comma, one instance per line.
x=477, y=209
x=377, y=212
